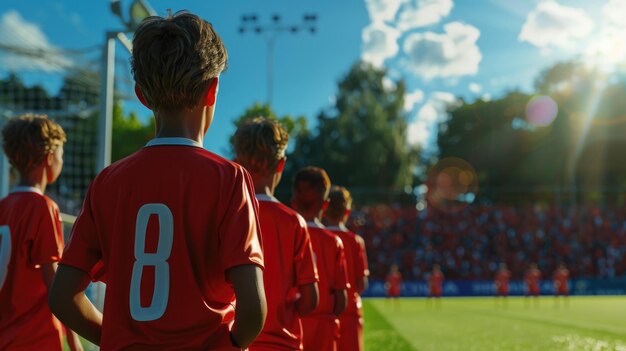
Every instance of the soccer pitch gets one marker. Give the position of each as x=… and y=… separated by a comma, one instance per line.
x=587, y=323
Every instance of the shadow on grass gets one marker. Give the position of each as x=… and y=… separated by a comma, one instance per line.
x=379, y=335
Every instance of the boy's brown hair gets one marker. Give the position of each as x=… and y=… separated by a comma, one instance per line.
x=339, y=201
x=175, y=59
x=259, y=144
x=28, y=139
x=310, y=185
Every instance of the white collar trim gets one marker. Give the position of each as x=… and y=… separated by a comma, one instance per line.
x=265, y=197
x=315, y=224
x=26, y=189
x=173, y=141
x=341, y=227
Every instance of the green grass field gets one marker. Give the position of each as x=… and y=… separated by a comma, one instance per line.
x=587, y=323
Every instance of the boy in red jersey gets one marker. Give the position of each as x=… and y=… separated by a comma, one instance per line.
x=393, y=282
x=532, y=279
x=435, y=284
x=174, y=226
x=321, y=328
x=351, y=320
x=502, y=283
x=31, y=237
x=561, y=288
x=290, y=275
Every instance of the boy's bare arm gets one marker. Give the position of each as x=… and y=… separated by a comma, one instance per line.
x=309, y=298
x=251, y=310
x=48, y=271
x=68, y=302
x=341, y=301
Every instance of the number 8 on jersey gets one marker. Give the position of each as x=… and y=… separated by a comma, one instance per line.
x=158, y=260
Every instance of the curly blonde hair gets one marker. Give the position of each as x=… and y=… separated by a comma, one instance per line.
x=29, y=138
x=259, y=144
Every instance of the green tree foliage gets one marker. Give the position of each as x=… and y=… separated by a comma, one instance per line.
x=578, y=153
x=362, y=140
x=129, y=133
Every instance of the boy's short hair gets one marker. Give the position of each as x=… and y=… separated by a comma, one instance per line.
x=310, y=185
x=259, y=144
x=27, y=140
x=339, y=201
x=175, y=59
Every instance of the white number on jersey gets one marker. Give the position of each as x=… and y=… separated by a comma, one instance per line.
x=158, y=260
x=5, y=253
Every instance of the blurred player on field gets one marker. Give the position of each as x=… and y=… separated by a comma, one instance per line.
x=351, y=320
x=532, y=280
x=435, y=284
x=31, y=237
x=290, y=275
x=321, y=328
x=561, y=287
x=393, y=283
x=174, y=225
x=502, y=283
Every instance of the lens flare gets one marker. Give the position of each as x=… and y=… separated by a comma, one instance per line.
x=452, y=185
x=541, y=111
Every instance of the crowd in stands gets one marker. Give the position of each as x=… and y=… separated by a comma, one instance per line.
x=469, y=244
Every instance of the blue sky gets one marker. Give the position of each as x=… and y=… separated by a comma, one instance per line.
x=444, y=49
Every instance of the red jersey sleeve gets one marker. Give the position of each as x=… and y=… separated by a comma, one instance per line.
x=341, y=280
x=361, y=263
x=46, y=244
x=305, y=269
x=83, y=250
x=240, y=242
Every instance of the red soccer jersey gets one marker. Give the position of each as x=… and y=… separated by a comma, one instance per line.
x=532, y=279
x=502, y=282
x=561, y=276
x=31, y=235
x=167, y=223
x=394, y=282
x=435, y=282
x=356, y=265
x=288, y=265
x=320, y=328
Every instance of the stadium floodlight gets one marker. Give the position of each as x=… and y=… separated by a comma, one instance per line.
x=250, y=23
x=138, y=10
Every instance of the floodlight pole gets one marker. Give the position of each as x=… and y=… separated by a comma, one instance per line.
x=249, y=23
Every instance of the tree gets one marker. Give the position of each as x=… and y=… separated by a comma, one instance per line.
x=362, y=140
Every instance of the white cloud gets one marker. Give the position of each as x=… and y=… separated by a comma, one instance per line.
x=475, y=88
x=428, y=113
x=421, y=13
x=614, y=11
x=380, y=42
x=553, y=25
x=449, y=54
x=418, y=133
x=486, y=97
x=413, y=98
x=32, y=49
x=443, y=97
x=383, y=10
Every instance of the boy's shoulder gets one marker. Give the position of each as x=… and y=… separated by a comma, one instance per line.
x=282, y=211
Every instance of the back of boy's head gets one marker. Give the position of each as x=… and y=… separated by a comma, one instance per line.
x=175, y=59
x=339, y=200
x=259, y=144
x=310, y=187
x=28, y=139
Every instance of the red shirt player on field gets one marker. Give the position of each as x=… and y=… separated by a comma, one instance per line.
x=532, y=279
x=561, y=278
x=321, y=328
x=290, y=275
x=393, y=282
x=174, y=225
x=435, y=282
x=31, y=237
x=503, y=276
x=351, y=320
